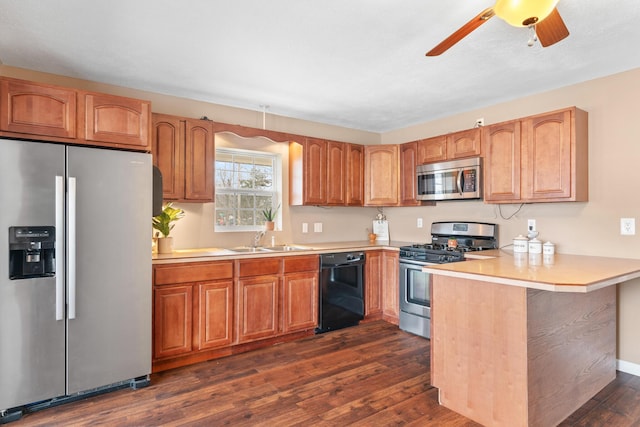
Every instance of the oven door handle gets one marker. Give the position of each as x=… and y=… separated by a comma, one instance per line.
x=411, y=263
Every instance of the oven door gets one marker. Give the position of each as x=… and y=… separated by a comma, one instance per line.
x=415, y=289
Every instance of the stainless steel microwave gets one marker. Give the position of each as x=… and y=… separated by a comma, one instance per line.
x=451, y=180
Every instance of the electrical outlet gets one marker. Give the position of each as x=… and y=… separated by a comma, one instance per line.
x=317, y=227
x=531, y=225
x=628, y=226
x=305, y=227
x=419, y=222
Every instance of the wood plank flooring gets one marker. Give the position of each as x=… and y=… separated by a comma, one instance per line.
x=369, y=375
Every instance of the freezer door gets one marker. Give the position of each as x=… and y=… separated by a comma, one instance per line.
x=109, y=325
x=32, y=353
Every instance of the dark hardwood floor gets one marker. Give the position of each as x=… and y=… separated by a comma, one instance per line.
x=369, y=375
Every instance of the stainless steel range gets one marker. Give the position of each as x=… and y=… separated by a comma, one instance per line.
x=449, y=242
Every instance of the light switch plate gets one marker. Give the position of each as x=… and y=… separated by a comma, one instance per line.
x=419, y=222
x=305, y=227
x=317, y=227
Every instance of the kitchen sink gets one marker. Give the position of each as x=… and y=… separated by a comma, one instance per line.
x=249, y=249
x=286, y=248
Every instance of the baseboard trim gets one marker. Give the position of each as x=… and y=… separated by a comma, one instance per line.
x=628, y=367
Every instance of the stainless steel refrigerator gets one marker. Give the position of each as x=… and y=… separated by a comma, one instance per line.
x=75, y=270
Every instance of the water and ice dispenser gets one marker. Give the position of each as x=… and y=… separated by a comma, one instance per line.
x=32, y=252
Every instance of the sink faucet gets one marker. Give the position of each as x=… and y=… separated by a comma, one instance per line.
x=256, y=239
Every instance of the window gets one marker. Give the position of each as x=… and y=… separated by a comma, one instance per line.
x=247, y=182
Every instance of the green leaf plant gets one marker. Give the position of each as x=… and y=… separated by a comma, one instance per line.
x=165, y=221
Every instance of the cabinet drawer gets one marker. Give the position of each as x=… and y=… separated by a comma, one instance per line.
x=293, y=264
x=259, y=266
x=192, y=272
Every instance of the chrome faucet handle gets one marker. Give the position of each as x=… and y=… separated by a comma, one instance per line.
x=256, y=239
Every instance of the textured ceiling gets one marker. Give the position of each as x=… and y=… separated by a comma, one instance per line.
x=356, y=63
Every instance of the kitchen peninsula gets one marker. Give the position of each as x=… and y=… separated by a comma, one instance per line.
x=524, y=344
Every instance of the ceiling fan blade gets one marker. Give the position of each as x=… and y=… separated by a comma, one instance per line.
x=467, y=28
x=551, y=29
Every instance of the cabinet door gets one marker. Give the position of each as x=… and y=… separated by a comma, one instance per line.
x=381, y=171
x=501, y=149
x=315, y=172
x=355, y=175
x=37, y=109
x=432, y=150
x=199, y=158
x=300, y=301
x=546, y=158
x=390, y=286
x=258, y=308
x=172, y=320
x=215, y=314
x=168, y=154
x=373, y=284
x=408, y=191
x=464, y=144
x=336, y=171
x=117, y=121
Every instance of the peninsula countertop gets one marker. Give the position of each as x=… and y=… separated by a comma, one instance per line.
x=567, y=273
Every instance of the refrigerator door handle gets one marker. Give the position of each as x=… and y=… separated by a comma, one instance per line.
x=59, y=247
x=71, y=248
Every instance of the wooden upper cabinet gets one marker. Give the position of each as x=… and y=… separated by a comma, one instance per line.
x=199, y=159
x=542, y=158
x=554, y=160
x=167, y=147
x=308, y=172
x=54, y=113
x=466, y=143
x=355, y=175
x=432, y=150
x=336, y=173
x=37, y=109
x=502, y=153
x=116, y=121
x=456, y=145
x=184, y=151
x=408, y=191
x=381, y=172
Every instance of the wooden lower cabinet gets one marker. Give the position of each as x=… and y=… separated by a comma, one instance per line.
x=192, y=311
x=215, y=314
x=373, y=285
x=382, y=286
x=258, y=307
x=300, y=301
x=172, y=321
x=276, y=296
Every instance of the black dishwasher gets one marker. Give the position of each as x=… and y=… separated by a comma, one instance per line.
x=341, y=290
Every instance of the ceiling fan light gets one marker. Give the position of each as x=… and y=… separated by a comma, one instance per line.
x=522, y=13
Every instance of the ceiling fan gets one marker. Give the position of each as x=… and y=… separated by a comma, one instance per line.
x=539, y=15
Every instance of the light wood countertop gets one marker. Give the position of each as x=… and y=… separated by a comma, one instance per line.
x=220, y=254
x=567, y=273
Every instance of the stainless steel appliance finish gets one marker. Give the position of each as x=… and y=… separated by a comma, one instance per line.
x=451, y=180
x=449, y=242
x=341, y=290
x=89, y=326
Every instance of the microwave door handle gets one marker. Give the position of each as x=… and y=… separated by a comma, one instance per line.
x=459, y=181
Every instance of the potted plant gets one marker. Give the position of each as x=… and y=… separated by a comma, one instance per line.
x=269, y=217
x=164, y=223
